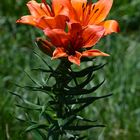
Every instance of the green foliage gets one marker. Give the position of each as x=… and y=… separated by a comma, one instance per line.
x=60, y=113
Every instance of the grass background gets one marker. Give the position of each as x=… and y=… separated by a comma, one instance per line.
x=120, y=113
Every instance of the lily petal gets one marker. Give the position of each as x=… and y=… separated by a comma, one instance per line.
x=27, y=20
x=77, y=7
x=61, y=7
x=75, y=58
x=110, y=26
x=58, y=22
x=94, y=53
x=59, y=52
x=74, y=29
x=58, y=37
x=91, y=35
x=101, y=10
x=38, y=9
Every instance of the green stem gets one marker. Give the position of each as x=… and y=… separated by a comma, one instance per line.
x=61, y=80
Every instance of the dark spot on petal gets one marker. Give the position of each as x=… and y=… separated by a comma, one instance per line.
x=93, y=7
x=96, y=10
x=84, y=9
x=41, y=6
x=83, y=5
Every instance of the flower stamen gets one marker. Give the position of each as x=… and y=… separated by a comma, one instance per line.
x=46, y=5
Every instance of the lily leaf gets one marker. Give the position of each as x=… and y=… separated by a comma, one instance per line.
x=37, y=88
x=75, y=111
x=36, y=126
x=42, y=70
x=82, y=91
x=86, y=120
x=43, y=61
x=35, y=82
x=85, y=71
x=83, y=84
x=28, y=105
x=44, y=137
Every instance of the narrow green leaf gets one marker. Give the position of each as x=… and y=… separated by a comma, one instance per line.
x=27, y=104
x=70, y=101
x=69, y=120
x=39, y=88
x=25, y=120
x=15, y=94
x=43, y=61
x=36, y=126
x=82, y=138
x=42, y=70
x=75, y=111
x=28, y=108
x=86, y=71
x=83, y=84
x=48, y=117
x=95, y=87
x=20, y=119
x=82, y=91
x=86, y=120
x=35, y=82
x=42, y=134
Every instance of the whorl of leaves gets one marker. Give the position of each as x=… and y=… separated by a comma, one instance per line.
x=60, y=113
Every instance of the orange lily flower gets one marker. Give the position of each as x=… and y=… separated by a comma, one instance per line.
x=88, y=13
x=75, y=43
x=45, y=16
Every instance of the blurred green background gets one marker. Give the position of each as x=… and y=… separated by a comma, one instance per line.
x=120, y=113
